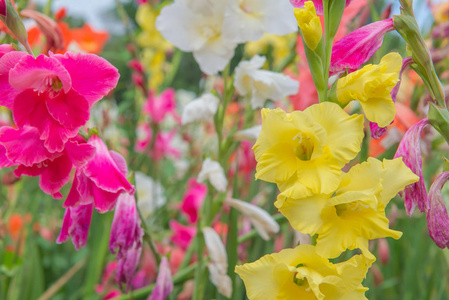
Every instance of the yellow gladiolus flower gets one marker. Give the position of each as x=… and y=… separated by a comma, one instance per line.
x=301, y=273
x=371, y=86
x=355, y=212
x=307, y=148
x=310, y=24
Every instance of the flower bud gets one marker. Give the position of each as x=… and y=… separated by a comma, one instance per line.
x=76, y=225
x=164, y=282
x=12, y=20
x=310, y=24
x=383, y=251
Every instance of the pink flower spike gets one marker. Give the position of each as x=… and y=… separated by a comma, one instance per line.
x=164, y=283
x=76, y=225
x=159, y=107
x=356, y=48
x=92, y=76
x=7, y=92
x=437, y=218
x=318, y=4
x=107, y=169
x=410, y=151
x=193, y=199
x=126, y=237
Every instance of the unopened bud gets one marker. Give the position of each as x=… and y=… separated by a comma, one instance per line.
x=377, y=275
x=383, y=251
x=12, y=20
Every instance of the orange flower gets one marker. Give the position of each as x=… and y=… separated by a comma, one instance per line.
x=88, y=39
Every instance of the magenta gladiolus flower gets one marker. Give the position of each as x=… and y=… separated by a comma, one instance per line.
x=193, y=199
x=101, y=180
x=162, y=105
x=126, y=237
x=356, y=48
x=54, y=94
x=76, y=225
x=164, y=283
x=182, y=235
x=410, y=151
x=318, y=4
x=437, y=218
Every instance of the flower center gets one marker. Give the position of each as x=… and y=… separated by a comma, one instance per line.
x=305, y=146
x=50, y=83
x=342, y=209
x=302, y=282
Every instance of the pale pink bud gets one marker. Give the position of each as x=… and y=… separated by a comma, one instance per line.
x=383, y=251
x=164, y=282
x=126, y=237
x=356, y=48
x=437, y=218
x=410, y=151
x=76, y=225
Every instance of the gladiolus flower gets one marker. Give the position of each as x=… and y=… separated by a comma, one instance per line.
x=307, y=148
x=356, y=48
x=76, y=225
x=437, y=218
x=126, y=238
x=201, y=109
x=160, y=106
x=371, y=86
x=301, y=273
x=164, y=283
x=310, y=24
x=182, y=235
x=212, y=171
x=262, y=84
x=410, y=151
x=193, y=199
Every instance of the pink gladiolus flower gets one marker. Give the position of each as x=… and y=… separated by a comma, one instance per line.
x=101, y=180
x=76, y=225
x=54, y=94
x=126, y=238
x=182, y=235
x=162, y=105
x=437, y=218
x=193, y=199
x=318, y=4
x=410, y=151
x=164, y=283
x=161, y=147
x=356, y=48
x=8, y=60
x=5, y=48
x=376, y=131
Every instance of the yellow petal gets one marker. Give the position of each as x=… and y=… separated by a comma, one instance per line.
x=379, y=110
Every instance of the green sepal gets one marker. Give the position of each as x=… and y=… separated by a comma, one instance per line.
x=439, y=119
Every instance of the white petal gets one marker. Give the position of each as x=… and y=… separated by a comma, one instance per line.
x=212, y=171
x=201, y=109
x=250, y=134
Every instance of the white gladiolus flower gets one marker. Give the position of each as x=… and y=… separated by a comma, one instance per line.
x=196, y=26
x=218, y=266
x=212, y=171
x=150, y=194
x=261, y=85
x=262, y=221
x=201, y=109
x=249, y=134
x=248, y=20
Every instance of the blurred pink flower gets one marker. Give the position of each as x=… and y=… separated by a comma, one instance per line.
x=161, y=147
x=126, y=238
x=437, y=218
x=101, y=180
x=164, y=283
x=162, y=105
x=193, y=199
x=410, y=151
x=182, y=234
x=76, y=225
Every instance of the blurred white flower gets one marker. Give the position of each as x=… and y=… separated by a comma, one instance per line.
x=262, y=221
x=249, y=134
x=218, y=266
x=201, y=109
x=150, y=194
x=261, y=85
x=212, y=171
x=196, y=26
x=248, y=20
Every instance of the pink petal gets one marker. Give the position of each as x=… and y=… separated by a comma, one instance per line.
x=193, y=199
x=79, y=154
x=23, y=146
x=4, y=161
x=5, y=48
x=182, y=235
x=74, y=197
x=127, y=266
x=410, y=151
x=104, y=201
x=76, y=225
x=70, y=110
x=437, y=218
x=34, y=73
x=81, y=191
x=103, y=170
x=164, y=282
x=356, y=48
x=92, y=76
x=7, y=92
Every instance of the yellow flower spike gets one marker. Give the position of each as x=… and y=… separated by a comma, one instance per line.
x=301, y=273
x=372, y=85
x=307, y=149
x=352, y=214
x=310, y=24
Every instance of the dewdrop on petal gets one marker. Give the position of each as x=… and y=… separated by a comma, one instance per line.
x=212, y=171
